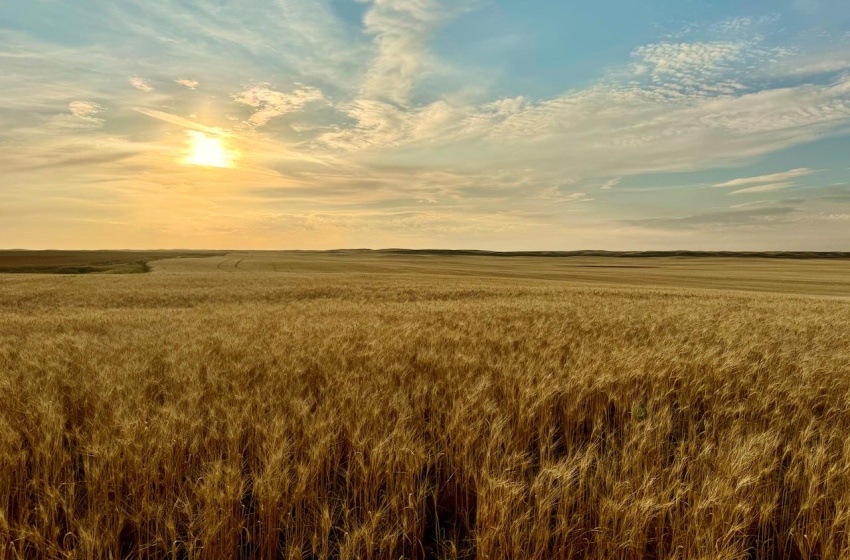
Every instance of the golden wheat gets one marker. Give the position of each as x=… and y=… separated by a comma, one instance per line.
x=357, y=416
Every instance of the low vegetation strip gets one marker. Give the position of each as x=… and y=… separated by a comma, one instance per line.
x=819, y=277
x=385, y=417
x=87, y=262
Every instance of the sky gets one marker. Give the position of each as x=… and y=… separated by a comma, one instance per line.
x=485, y=124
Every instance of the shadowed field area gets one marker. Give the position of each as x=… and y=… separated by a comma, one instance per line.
x=259, y=405
x=87, y=262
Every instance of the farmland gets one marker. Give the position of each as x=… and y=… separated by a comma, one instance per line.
x=87, y=262
x=389, y=405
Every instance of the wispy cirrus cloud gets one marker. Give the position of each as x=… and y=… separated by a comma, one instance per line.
x=765, y=183
x=769, y=187
x=772, y=178
x=191, y=84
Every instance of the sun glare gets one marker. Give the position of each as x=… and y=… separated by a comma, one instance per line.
x=207, y=151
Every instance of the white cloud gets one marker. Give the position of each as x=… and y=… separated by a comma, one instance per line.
x=784, y=109
x=611, y=184
x=270, y=104
x=401, y=29
x=772, y=178
x=86, y=111
x=382, y=125
x=676, y=59
x=819, y=67
x=688, y=69
x=599, y=132
x=191, y=84
x=608, y=129
x=140, y=84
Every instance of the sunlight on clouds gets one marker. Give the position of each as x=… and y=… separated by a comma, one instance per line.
x=180, y=121
x=373, y=117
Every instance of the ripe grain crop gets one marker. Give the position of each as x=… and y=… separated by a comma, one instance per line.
x=371, y=416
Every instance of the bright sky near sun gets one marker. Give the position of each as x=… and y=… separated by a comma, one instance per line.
x=491, y=124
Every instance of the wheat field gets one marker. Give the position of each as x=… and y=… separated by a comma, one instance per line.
x=321, y=407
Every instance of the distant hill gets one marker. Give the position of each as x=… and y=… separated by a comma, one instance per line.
x=614, y=254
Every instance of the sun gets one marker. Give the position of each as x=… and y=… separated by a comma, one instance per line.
x=207, y=151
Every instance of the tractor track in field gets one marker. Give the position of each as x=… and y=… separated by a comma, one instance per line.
x=220, y=266
x=229, y=266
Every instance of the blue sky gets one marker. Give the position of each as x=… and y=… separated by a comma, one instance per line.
x=494, y=124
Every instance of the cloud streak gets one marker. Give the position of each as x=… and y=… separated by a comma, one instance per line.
x=765, y=183
x=772, y=178
x=770, y=187
x=180, y=121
